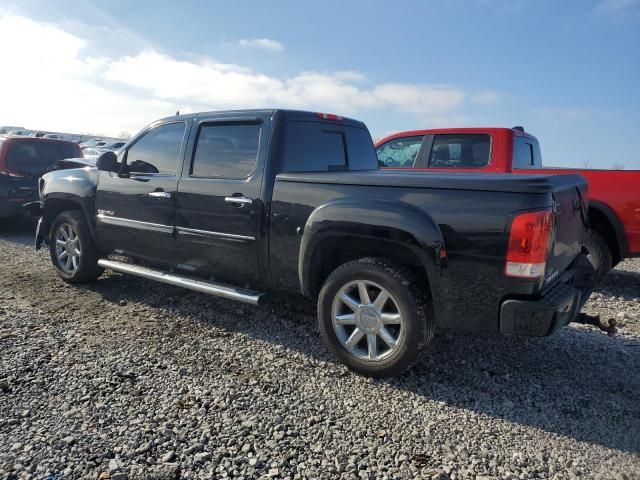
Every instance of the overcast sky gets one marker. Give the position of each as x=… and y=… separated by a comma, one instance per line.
x=567, y=70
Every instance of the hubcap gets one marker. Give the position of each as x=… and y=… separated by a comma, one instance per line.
x=68, y=248
x=367, y=320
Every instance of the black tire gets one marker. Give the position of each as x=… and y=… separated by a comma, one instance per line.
x=86, y=269
x=599, y=254
x=418, y=323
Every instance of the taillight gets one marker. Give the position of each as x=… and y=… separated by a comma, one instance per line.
x=529, y=244
x=329, y=116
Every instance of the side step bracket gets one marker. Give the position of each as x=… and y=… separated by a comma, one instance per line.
x=219, y=290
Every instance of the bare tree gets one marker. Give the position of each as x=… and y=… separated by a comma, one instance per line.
x=587, y=164
x=619, y=165
x=124, y=135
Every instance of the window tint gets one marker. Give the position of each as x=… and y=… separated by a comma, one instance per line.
x=360, y=150
x=537, y=155
x=228, y=151
x=523, y=154
x=400, y=152
x=35, y=157
x=321, y=147
x=460, y=151
x=157, y=151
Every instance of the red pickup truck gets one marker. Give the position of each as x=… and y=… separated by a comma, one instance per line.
x=614, y=195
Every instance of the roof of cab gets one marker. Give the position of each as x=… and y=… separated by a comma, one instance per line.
x=453, y=130
x=288, y=114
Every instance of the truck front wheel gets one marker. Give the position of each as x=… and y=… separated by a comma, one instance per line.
x=599, y=254
x=72, y=250
x=373, y=319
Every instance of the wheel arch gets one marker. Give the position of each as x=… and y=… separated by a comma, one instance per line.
x=604, y=220
x=55, y=204
x=345, y=230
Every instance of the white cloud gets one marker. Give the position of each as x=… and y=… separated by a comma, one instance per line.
x=51, y=82
x=262, y=43
x=419, y=98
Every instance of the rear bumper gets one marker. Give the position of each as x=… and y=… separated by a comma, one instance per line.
x=555, y=308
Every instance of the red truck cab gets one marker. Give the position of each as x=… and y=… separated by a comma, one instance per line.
x=614, y=200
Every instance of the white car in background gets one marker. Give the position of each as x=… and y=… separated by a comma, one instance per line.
x=5, y=129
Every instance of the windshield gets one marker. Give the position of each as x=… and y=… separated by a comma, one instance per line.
x=35, y=158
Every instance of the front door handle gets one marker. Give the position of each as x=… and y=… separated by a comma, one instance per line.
x=159, y=194
x=238, y=201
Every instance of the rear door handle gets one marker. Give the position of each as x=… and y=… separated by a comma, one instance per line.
x=159, y=194
x=238, y=201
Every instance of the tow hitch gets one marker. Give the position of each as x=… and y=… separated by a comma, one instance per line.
x=594, y=320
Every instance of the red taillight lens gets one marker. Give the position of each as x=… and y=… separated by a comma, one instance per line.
x=529, y=243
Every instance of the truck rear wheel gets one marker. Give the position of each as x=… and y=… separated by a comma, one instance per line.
x=599, y=254
x=372, y=318
x=72, y=250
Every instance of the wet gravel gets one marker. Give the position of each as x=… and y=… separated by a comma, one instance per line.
x=131, y=379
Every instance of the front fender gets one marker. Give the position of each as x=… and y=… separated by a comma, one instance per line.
x=69, y=189
x=370, y=218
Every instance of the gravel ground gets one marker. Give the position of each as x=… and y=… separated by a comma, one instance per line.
x=131, y=379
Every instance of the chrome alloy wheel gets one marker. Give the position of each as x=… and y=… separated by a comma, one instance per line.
x=68, y=248
x=367, y=320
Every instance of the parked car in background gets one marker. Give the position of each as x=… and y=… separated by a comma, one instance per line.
x=267, y=200
x=614, y=195
x=38, y=134
x=90, y=142
x=19, y=133
x=113, y=146
x=4, y=130
x=22, y=161
x=90, y=152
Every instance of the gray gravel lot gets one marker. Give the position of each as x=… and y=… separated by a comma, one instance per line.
x=131, y=379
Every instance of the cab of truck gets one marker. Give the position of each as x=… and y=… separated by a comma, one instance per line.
x=495, y=150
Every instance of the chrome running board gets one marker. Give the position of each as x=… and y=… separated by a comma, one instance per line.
x=219, y=290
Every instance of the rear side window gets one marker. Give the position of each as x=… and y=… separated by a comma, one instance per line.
x=460, y=151
x=399, y=152
x=157, y=150
x=322, y=147
x=228, y=151
x=35, y=157
x=524, y=153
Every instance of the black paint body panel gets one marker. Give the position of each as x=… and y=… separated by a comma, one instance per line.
x=271, y=243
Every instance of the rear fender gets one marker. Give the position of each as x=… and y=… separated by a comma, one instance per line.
x=396, y=222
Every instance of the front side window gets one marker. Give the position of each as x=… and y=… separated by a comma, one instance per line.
x=399, y=152
x=227, y=151
x=157, y=150
x=460, y=151
x=523, y=153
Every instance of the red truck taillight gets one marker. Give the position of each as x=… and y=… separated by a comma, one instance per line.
x=529, y=244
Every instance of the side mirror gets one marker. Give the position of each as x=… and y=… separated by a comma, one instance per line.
x=107, y=162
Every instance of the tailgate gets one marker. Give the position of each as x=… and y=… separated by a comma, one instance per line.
x=570, y=209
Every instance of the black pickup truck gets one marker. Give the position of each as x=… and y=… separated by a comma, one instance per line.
x=243, y=202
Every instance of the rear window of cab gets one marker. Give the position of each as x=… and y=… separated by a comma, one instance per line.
x=326, y=147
